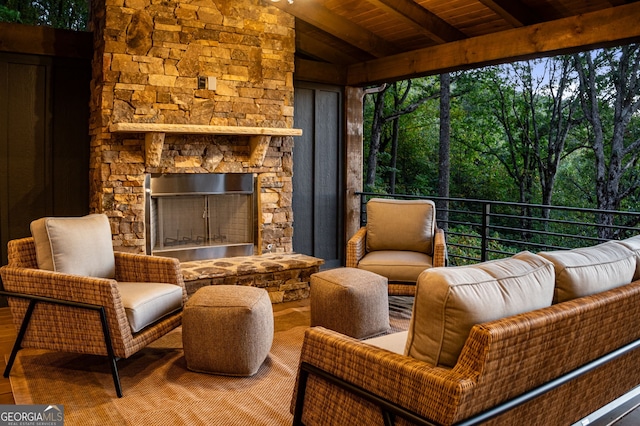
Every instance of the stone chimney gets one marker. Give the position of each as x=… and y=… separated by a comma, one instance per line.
x=149, y=57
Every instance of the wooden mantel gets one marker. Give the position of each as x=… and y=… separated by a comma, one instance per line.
x=259, y=137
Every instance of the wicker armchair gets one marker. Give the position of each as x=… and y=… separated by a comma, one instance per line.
x=73, y=313
x=401, y=239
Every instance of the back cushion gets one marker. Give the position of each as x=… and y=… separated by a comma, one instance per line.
x=589, y=270
x=633, y=244
x=400, y=225
x=75, y=245
x=450, y=301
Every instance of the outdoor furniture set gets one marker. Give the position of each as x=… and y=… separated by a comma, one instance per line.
x=542, y=338
x=69, y=291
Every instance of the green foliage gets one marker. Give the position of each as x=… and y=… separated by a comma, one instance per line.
x=9, y=15
x=67, y=14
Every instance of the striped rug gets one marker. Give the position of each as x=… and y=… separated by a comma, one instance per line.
x=159, y=389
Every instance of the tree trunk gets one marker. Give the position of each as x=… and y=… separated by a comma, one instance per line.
x=444, y=163
x=376, y=136
x=612, y=158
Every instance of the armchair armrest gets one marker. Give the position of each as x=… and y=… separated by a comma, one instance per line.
x=356, y=247
x=132, y=267
x=432, y=393
x=440, y=256
x=57, y=285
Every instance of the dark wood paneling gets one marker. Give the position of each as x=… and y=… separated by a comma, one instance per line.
x=318, y=180
x=44, y=141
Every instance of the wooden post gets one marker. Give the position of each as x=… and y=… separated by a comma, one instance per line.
x=354, y=120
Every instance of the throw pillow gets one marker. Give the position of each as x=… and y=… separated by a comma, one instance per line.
x=589, y=270
x=450, y=301
x=633, y=244
x=75, y=245
x=400, y=225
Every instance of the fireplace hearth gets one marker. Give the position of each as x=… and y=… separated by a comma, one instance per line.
x=201, y=216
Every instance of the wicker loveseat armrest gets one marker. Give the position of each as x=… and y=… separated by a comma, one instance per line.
x=356, y=247
x=431, y=393
x=440, y=257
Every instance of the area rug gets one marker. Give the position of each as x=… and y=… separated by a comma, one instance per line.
x=159, y=389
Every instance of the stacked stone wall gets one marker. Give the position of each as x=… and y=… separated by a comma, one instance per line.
x=148, y=55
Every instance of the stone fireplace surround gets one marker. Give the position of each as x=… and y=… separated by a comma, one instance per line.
x=148, y=114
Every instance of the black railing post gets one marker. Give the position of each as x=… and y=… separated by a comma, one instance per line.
x=486, y=212
x=363, y=209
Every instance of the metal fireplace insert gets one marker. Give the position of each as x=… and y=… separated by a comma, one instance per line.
x=201, y=216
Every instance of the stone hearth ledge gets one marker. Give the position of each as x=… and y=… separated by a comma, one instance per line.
x=285, y=276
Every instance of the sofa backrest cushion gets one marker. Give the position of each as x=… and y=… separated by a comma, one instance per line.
x=633, y=244
x=75, y=245
x=589, y=270
x=449, y=301
x=400, y=225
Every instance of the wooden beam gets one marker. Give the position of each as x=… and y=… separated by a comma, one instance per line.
x=514, y=12
x=608, y=27
x=40, y=40
x=319, y=72
x=421, y=19
x=201, y=129
x=355, y=153
x=338, y=26
x=314, y=48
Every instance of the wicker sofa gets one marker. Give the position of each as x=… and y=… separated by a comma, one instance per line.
x=550, y=365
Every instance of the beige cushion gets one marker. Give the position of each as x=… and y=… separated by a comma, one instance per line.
x=393, y=342
x=589, y=270
x=396, y=265
x=450, y=301
x=75, y=245
x=145, y=303
x=400, y=225
x=633, y=244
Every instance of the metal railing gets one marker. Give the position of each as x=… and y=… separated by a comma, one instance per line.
x=480, y=230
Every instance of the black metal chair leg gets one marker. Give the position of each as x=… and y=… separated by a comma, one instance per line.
x=18, y=344
x=110, y=354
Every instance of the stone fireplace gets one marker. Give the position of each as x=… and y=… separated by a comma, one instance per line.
x=191, y=87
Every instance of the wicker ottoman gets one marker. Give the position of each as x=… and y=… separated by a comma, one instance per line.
x=227, y=329
x=350, y=301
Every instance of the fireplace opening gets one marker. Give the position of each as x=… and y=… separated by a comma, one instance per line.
x=200, y=216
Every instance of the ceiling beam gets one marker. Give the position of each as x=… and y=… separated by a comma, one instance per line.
x=608, y=27
x=310, y=46
x=424, y=21
x=514, y=12
x=338, y=26
x=320, y=72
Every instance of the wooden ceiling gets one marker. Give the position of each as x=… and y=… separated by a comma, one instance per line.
x=364, y=42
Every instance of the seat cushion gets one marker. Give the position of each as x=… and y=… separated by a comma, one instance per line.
x=633, y=244
x=145, y=303
x=589, y=270
x=75, y=245
x=397, y=266
x=450, y=301
x=400, y=225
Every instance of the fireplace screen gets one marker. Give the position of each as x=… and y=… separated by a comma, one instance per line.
x=201, y=216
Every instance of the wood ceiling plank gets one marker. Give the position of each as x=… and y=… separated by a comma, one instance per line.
x=424, y=21
x=338, y=26
x=514, y=12
x=607, y=27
